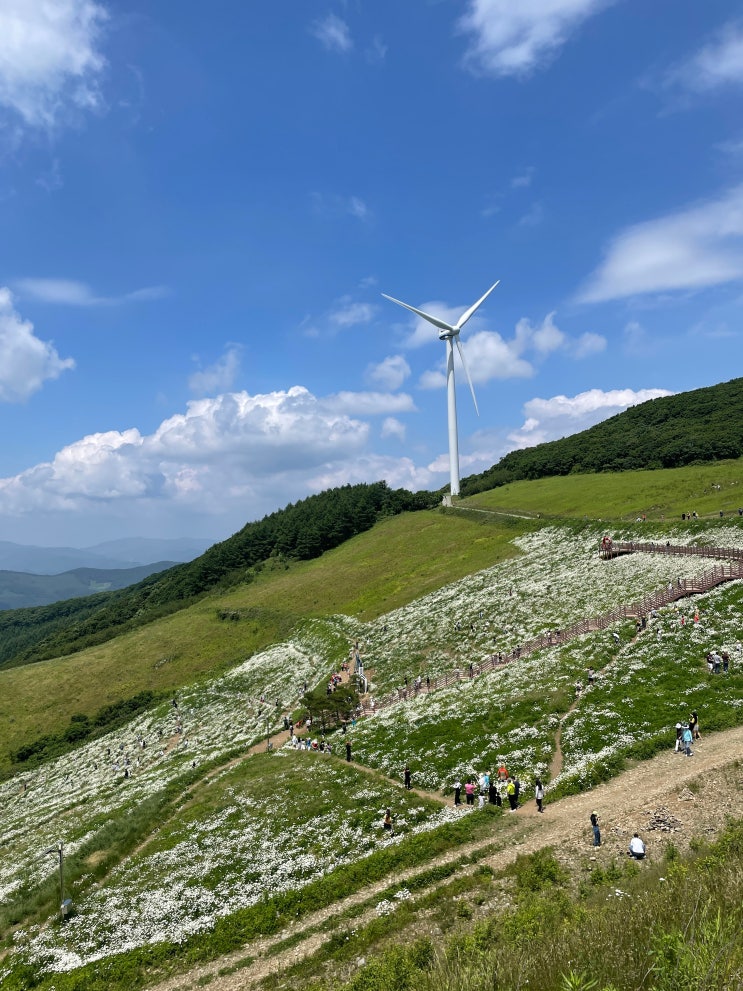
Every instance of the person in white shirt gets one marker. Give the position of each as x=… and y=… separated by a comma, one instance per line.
x=636, y=848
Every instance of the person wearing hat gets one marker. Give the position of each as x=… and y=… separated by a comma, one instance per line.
x=596, y=830
x=679, y=738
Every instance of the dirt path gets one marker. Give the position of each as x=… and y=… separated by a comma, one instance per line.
x=701, y=792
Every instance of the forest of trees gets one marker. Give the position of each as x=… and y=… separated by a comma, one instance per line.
x=302, y=530
x=691, y=427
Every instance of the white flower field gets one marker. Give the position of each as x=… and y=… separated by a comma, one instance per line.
x=268, y=823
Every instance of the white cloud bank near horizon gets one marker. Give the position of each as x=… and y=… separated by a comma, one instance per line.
x=235, y=457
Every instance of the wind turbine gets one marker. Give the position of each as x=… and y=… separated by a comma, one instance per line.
x=450, y=335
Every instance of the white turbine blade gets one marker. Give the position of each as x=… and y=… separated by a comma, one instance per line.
x=426, y=316
x=467, y=373
x=466, y=315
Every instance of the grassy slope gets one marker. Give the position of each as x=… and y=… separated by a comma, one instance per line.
x=664, y=493
x=399, y=560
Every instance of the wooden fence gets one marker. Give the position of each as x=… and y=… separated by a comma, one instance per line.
x=679, y=589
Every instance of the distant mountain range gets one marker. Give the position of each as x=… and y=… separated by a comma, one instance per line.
x=19, y=589
x=122, y=554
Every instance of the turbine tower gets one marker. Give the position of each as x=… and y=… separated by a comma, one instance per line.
x=450, y=335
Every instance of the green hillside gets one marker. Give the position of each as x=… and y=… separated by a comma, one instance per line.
x=185, y=846
x=663, y=494
x=689, y=428
x=301, y=531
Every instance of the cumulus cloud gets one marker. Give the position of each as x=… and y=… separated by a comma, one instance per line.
x=26, y=362
x=514, y=39
x=219, y=377
x=696, y=247
x=392, y=427
x=50, y=59
x=717, y=64
x=560, y=416
x=490, y=356
x=389, y=373
x=206, y=458
x=333, y=33
x=368, y=403
x=70, y=292
x=348, y=313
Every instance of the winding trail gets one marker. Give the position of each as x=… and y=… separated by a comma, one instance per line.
x=713, y=778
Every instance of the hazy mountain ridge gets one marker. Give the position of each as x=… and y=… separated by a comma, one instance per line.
x=19, y=590
x=124, y=553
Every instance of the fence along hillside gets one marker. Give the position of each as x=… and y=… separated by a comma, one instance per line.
x=679, y=589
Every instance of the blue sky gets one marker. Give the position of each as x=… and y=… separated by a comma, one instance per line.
x=201, y=207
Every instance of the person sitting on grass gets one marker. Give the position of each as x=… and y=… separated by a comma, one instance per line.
x=387, y=823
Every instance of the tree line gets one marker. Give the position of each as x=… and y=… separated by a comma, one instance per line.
x=689, y=428
x=301, y=531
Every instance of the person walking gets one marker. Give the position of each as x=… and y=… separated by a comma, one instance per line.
x=679, y=738
x=687, y=738
x=348, y=750
x=539, y=794
x=407, y=778
x=596, y=829
x=457, y=792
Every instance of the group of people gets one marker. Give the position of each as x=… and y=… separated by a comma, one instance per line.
x=718, y=662
x=686, y=733
x=496, y=789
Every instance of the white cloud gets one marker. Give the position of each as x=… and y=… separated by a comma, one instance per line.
x=348, y=313
x=335, y=205
x=389, y=373
x=218, y=377
x=235, y=456
x=208, y=457
x=489, y=356
x=26, y=362
x=377, y=51
x=533, y=216
x=544, y=338
x=357, y=208
x=368, y=403
x=588, y=344
x=393, y=428
x=514, y=38
x=717, y=64
x=69, y=292
x=50, y=62
x=524, y=179
x=560, y=416
x=333, y=33
x=696, y=247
